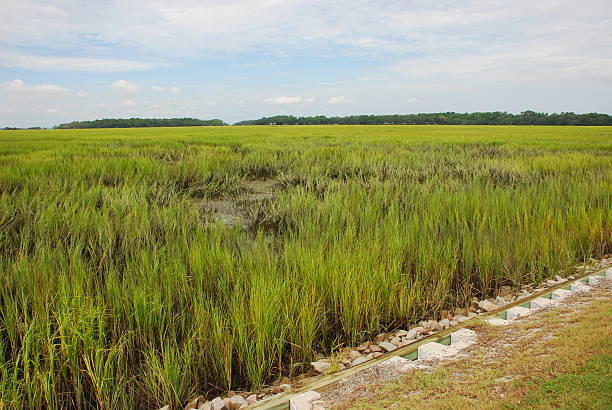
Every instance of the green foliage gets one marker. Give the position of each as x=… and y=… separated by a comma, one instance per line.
x=587, y=387
x=445, y=118
x=119, y=292
x=140, y=122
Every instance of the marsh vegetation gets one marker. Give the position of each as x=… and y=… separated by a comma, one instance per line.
x=122, y=287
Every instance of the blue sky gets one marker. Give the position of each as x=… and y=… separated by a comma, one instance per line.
x=235, y=59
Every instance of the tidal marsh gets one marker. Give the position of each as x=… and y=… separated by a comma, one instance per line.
x=120, y=288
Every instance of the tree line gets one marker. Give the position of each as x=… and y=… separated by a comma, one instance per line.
x=141, y=122
x=445, y=118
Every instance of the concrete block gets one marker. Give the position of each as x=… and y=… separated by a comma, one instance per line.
x=433, y=350
x=303, y=401
x=579, y=287
x=560, y=294
x=430, y=348
x=495, y=321
x=608, y=273
x=540, y=303
x=396, y=363
x=517, y=312
x=463, y=337
x=593, y=280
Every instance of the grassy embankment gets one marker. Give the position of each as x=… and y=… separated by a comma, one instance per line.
x=117, y=292
x=561, y=360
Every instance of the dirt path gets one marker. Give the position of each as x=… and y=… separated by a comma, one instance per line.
x=559, y=356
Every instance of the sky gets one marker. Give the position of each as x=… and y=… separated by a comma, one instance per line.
x=67, y=60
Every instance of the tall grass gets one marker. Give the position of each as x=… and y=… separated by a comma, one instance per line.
x=118, y=293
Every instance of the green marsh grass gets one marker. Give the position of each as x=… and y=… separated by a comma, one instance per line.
x=119, y=292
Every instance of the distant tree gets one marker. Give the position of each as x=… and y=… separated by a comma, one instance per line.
x=447, y=118
x=141, y=122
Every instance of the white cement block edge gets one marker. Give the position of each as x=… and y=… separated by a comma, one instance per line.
x=303, y=401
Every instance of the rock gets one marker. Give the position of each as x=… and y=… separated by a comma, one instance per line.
x=375, y=348
x=362, y=347
x=388, y=347
x=217, y=404
x=487, y=306
x=166, y=407
x=252, y=398
x=551, y=282
x=195, y=403
x=419, y=330
x=560, y=279
x=405, y=342
x=445, y=323
x=412, y=334
x=321, y=366
x=471, y=315
x=205, y=406
x=461, y=318
x=228, y=403
x=341, y=366
x=396, y=341
x=437, y=327
x=354, y=354
x=367, y=351
x=401, y=333
x=238, y=401
x=500, y=301
x=454, y=323
x=428, y=325
x=274, y=390
x=376, y=354
x=359, y=360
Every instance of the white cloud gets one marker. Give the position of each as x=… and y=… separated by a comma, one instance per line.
x=186, y=28
x=409, y=101
x=129, y=103
x=82, y=93
x=20, y=89
x=289, y=100
x=124, y=87
x=51, y=111
x=339, y=100
x=171, y=89
x=99, y=65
